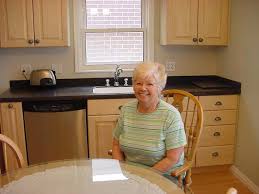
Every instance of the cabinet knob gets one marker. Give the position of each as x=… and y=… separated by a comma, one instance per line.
x=195, y=39
x=215, y=154
x=217, y=119
x=37, y=41
x=10, y=106
x=218, y=103
x=30, y=41
x=200, y=39
x=216, y=134
x=120, y=107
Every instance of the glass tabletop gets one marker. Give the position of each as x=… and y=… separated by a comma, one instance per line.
x=76, y=176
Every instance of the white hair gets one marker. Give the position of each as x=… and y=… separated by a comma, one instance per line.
x=151, y=69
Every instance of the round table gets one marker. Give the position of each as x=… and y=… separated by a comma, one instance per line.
x=75, y=176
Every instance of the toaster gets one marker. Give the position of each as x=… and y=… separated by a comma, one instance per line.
x=43, y=77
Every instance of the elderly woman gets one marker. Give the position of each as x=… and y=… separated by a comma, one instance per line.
x=150, y=132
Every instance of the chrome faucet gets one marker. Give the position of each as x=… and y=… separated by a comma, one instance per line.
x=117, y=73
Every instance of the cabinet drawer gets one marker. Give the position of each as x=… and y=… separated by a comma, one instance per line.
x=219, y=102
x=218, y=155
x=106, y=106
x=218, y=135
x=220, y=117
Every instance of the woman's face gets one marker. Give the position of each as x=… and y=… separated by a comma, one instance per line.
x=146, y=90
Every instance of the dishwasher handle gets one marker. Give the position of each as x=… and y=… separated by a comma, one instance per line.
x=54, y=106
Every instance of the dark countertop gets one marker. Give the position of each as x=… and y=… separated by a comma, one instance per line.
x=68, y=89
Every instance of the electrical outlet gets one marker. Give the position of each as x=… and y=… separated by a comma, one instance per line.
x=26, y=69
x=170, y=66
x=57, y=68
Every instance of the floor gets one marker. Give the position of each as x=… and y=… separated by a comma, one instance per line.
x=216, y=180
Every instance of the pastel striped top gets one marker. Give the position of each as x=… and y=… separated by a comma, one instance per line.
x=145, y=137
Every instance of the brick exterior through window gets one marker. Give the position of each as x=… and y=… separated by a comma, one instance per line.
x=109, y=44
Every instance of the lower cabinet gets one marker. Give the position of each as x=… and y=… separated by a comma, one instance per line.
x=217, y=141
x=12, y=126
x=100, y=135
x=216, y=146
x=102, y=118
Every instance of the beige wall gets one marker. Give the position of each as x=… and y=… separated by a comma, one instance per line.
x=189, y=60
x=240, y=61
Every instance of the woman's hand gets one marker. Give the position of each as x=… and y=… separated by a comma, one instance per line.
x=116, y=151
x=172, y=157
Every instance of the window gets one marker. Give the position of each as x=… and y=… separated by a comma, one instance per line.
x=111, y=32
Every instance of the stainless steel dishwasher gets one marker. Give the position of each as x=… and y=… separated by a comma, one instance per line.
x=55, y=130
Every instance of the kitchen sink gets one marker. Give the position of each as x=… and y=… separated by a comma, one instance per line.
x=113, y=90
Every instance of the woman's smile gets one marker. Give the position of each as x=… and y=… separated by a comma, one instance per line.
x=146, y=92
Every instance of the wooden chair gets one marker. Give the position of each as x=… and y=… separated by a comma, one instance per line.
x=15, y=148
x=192, y=114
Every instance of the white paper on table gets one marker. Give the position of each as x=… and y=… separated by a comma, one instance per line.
x=106, y=170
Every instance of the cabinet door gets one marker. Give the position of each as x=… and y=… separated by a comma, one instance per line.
x=213, y=22
x=100, y=135
x=51, y=22
x=12, y=126
x=179, y=21
x=16, y=23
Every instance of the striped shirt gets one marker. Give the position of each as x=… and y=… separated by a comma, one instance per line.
x=145, y=137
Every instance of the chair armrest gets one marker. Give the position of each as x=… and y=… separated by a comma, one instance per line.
x=186, y=166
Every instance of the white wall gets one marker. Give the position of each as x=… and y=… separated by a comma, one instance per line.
x=240, y=61
x=189, y=60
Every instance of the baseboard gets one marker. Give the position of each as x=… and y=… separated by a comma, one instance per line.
x=244, y=179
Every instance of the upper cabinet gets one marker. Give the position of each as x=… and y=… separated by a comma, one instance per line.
x=192, y=22
x=34, y=23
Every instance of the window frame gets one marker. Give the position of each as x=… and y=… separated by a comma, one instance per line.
x=79, y=47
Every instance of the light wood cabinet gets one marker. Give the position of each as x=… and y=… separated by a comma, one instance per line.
x=102, y=118
x=12, y=126
x=34, y=23
x=100, y=135
x=194, y=22
x=217, y=141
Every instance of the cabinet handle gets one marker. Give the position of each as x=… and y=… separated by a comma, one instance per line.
x=120, y=107
x=216, y=134
x=195, y=39
x=217, y=119
x=200, y=39
x=37, y=41
x=10, y=106
x=215, y=154
x=30, y=41
x=218, y=103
